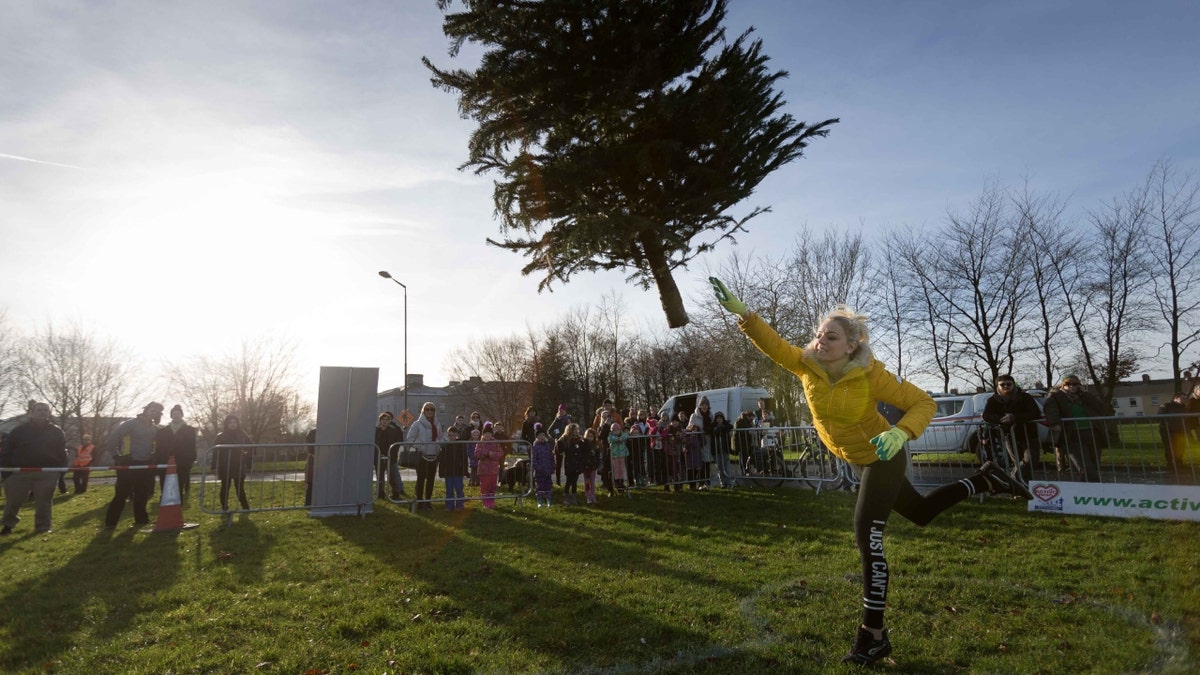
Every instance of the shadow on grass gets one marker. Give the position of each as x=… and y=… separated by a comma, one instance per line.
x=471, y=561
x=476, y=566
x=106, y=577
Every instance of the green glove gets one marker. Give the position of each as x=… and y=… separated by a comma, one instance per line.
x=889, y=443
x=728, y=300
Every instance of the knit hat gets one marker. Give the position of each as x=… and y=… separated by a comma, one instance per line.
x=177, y=407
x=562, y=406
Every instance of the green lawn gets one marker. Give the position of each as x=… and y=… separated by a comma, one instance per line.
x=743, y=581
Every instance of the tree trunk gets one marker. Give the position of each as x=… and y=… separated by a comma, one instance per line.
x=668, y=291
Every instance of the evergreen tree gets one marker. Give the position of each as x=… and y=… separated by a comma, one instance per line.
x=621, y=132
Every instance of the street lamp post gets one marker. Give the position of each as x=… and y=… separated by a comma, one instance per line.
x=386, y=275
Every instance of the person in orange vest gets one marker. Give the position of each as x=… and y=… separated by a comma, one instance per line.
x=83, y=459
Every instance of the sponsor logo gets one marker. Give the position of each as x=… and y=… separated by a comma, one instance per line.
x=1049, y=497
x=1045, y=492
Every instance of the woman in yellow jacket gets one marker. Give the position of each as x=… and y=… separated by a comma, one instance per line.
x=843, y=384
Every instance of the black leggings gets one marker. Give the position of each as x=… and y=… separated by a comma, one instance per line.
x=885, y=488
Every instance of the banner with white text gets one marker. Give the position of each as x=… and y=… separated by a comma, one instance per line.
x=1160, y=502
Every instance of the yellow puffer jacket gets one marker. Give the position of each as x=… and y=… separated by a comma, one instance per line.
x=845, y=412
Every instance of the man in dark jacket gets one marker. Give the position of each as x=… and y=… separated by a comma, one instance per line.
x=132, y=444
x=36, y=443
x=744, y=439
x=1083, y=439
x=387, y=469
x=1016, y=413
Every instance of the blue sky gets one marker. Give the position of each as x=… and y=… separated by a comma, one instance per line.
x=181, y=175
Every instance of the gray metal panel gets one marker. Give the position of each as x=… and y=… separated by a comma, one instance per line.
x=345, y=414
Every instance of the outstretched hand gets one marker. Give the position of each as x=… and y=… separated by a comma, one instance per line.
x=889, y=443
x=728, y=300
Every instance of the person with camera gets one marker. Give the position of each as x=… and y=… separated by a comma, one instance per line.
x=1016, y=414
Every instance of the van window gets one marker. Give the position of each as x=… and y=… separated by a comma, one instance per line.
x=948, y=407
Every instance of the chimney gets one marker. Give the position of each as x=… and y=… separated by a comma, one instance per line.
x=1146, y=378
x=415, y=380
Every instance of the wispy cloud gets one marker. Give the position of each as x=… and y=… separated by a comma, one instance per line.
x=38, y=161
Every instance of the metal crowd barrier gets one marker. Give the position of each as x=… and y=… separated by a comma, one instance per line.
x=657, y=461
x=272, y=477
x=767, y=457
x=797, y=456
x=515, y=482
x=1153, y=449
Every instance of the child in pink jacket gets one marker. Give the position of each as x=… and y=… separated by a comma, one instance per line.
x=490, y=455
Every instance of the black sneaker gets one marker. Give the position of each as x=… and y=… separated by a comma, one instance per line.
x=1002, y=482
x=867, y=649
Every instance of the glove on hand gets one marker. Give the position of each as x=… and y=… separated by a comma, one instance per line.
x=889, y=443
x=728, y=300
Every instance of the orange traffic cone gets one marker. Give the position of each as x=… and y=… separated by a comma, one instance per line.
x=170, y=508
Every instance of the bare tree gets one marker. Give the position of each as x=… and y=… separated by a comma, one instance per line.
x=609, y=343
x=892, y=305
x=86, y=380
x=1050, y=247
x=257, y=383
x=655, y=370
x=8, y=366
x=978, y=280
x=504, y=378
x=765, y=285
x=587, y=349
x=1173, y=231
x=927, y=306
x=823, y=272
x=790, y=294
x=1118, y=283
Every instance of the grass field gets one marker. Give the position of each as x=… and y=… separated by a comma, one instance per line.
x=743, y=581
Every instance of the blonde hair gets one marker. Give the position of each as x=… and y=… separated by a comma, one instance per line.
x=853, y=323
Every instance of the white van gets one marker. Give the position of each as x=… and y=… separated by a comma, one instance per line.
x=729, y=400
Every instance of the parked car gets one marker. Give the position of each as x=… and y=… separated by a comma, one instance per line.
x=957, y=422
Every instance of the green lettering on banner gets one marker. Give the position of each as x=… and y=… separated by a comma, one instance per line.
x=1180, y=503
